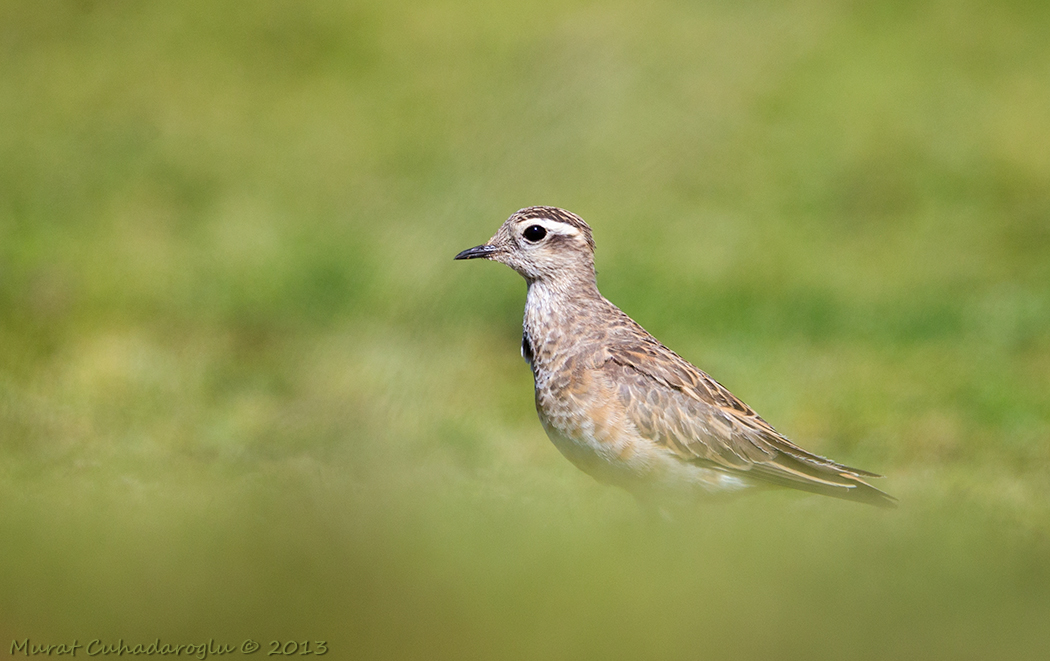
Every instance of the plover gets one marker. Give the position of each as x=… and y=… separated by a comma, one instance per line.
x=623, y=407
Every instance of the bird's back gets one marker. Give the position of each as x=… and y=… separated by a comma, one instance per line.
x=628, y=410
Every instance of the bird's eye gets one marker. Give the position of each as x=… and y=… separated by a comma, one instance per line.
x=534, y=233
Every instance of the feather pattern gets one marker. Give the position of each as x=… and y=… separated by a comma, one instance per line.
x=684, y=410
x=623, y=407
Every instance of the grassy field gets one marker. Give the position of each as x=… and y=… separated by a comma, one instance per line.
x=246, y=393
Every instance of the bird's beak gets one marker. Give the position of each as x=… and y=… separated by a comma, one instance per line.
x=477, y=252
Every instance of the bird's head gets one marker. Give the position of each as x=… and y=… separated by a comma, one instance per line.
x=541, y=243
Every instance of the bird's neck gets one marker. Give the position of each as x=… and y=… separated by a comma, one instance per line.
x=557, y=312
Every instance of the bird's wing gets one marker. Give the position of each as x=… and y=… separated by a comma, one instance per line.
x=681, y=408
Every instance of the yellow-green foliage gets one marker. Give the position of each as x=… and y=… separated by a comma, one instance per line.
x=246, y=392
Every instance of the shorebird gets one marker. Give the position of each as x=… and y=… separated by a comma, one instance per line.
x=624, y=408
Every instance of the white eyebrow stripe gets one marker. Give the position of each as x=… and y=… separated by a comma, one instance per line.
x=553, y=226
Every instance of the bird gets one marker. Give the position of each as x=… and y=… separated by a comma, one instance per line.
x=624, y=408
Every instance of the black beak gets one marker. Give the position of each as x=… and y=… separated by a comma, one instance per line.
x=477, y=252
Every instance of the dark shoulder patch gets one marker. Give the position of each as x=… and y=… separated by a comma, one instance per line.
x=526, y=348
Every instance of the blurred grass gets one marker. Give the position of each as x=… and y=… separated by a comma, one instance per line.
x=245, y=392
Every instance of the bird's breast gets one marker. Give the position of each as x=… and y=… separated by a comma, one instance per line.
x=587, y=423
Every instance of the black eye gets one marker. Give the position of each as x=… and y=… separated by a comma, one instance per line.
x=534, y=233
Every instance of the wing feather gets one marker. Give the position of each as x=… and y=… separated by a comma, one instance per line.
x=681, y=408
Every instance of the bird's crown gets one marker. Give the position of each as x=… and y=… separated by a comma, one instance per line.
x=555, y=216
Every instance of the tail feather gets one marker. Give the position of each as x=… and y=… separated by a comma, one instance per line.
x=829, y=479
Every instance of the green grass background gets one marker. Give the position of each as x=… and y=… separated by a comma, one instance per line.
x=246, y=392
